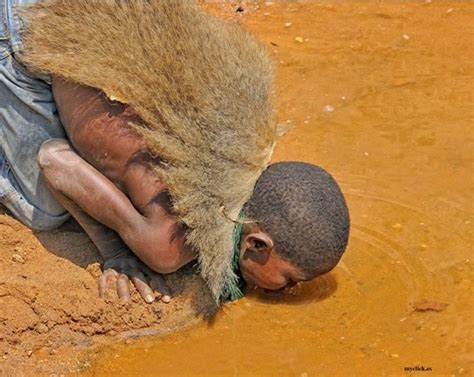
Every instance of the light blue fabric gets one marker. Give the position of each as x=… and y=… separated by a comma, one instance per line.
x=28, y=117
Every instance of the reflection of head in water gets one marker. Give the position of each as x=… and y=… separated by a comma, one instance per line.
x=301, y=226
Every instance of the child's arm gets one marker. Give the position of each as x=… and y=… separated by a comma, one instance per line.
x=94, y=200
x=119, y=262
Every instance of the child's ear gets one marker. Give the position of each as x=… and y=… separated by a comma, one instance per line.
x=258, y=246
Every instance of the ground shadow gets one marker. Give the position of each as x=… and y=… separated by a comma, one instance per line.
x=70, y=242
x=187, y=281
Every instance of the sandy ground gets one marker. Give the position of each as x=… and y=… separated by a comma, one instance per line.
x=49, y=305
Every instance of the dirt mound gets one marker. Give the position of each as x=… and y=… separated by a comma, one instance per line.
x=49, y=299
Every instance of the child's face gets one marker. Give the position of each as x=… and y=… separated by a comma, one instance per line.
x=274, y=275
x=261, y=265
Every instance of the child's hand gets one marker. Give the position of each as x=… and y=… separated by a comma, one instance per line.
x=124, y=268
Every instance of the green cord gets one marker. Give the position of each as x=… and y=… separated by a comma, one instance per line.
x=233, y=288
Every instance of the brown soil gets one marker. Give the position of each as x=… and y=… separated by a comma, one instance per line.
x=49, y=304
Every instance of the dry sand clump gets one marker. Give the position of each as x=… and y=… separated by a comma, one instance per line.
x=49, y=300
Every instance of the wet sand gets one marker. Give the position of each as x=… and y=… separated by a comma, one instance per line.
x=380, y=95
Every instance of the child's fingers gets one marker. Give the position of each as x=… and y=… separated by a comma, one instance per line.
x=159, y=283
x=104, y=281
x=143, y=288
x=123, y=287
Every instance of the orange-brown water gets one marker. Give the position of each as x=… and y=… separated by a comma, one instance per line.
x=399, y=78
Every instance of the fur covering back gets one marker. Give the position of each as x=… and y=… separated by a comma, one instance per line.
x=200, y=86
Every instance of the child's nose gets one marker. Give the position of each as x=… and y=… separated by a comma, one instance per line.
x=279, y=291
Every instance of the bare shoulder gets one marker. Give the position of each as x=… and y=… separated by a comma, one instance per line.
x=99, y=130
x=81, y=106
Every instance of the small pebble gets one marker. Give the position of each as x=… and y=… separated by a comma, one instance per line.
x=366, y=153
x=394, y=355
x=42, y=328
x=328, y=108
x=397, y=226
x=406, y=37
x=423, y=246
x=449, y=10
x=299, y=39
x=287, y=24
x=268, y=2
x=266, y=14
x=29, y=353
x=403, y=319
x=18, y=258
x=281, y=130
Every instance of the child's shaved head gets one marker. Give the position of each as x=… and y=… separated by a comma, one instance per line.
x=303, y=210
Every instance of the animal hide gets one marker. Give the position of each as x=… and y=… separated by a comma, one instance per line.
x=200, y=86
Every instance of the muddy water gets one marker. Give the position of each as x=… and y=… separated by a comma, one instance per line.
x=399, y=80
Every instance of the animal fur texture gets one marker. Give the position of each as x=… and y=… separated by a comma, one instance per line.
x=200, y=86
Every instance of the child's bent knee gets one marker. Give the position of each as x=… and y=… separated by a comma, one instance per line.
x=51, y=151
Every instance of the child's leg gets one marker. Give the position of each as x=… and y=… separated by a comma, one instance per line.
x=28, y=117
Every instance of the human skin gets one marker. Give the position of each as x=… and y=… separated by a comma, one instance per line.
x=261, y=265
x=103, y=175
